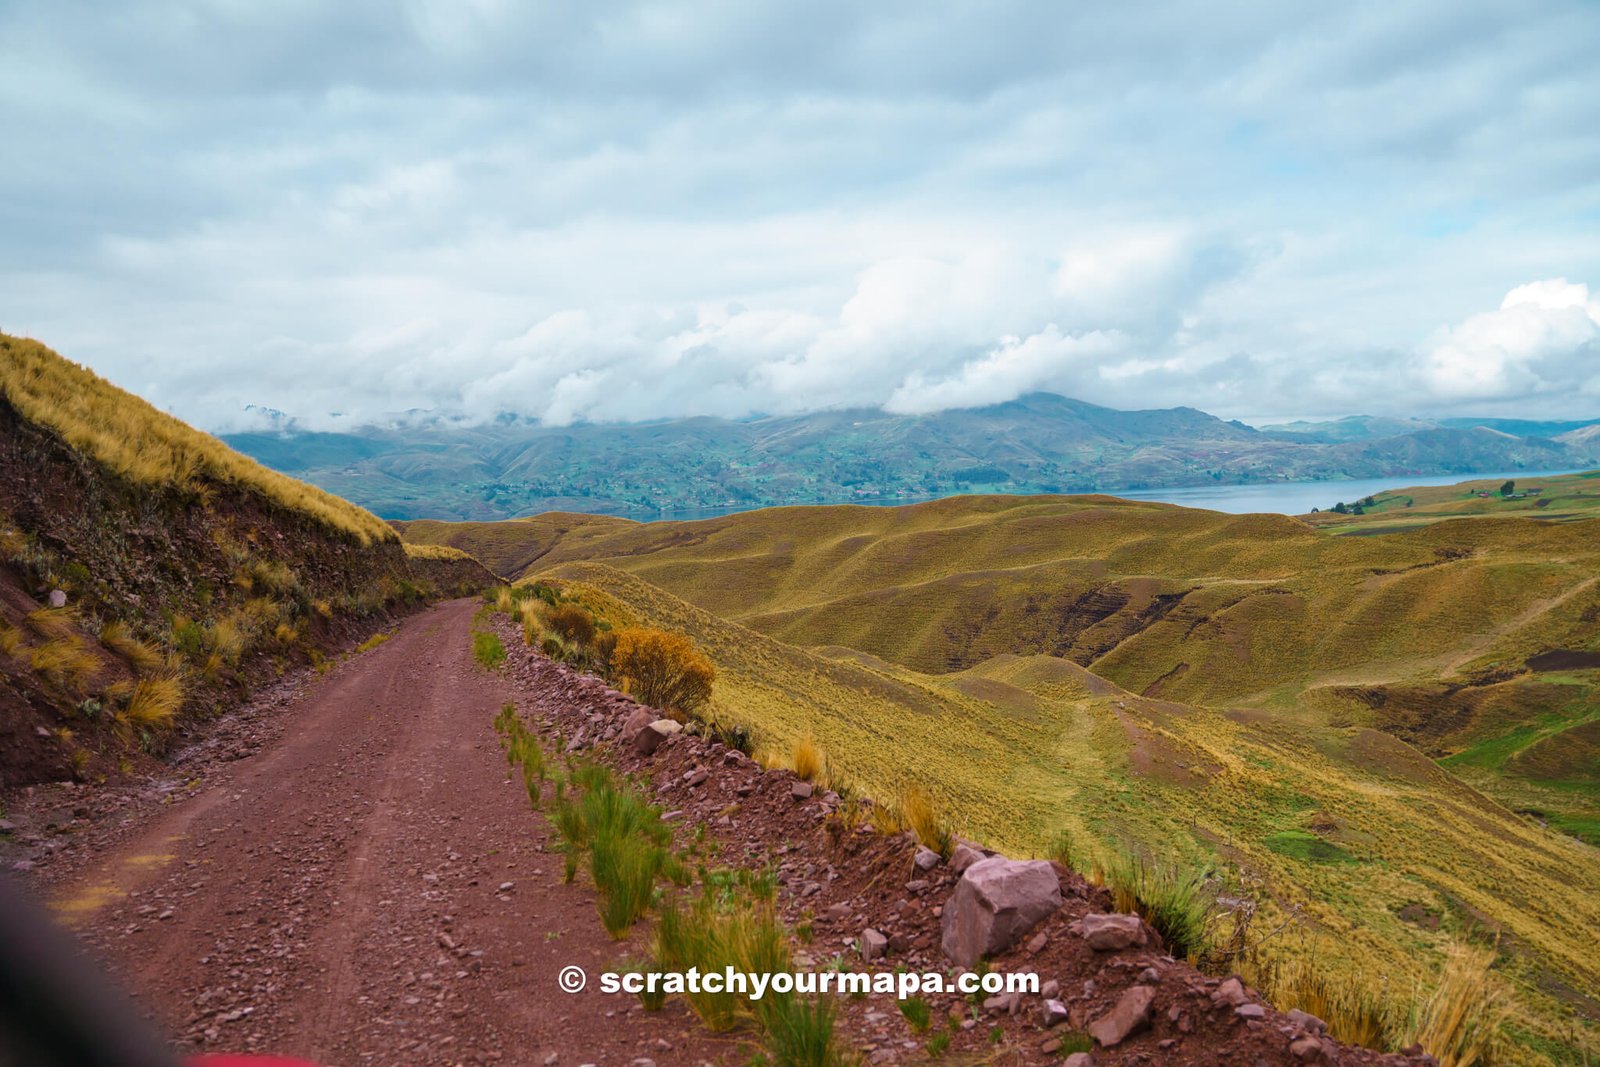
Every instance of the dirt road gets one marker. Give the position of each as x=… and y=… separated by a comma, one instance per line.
x=371, y=889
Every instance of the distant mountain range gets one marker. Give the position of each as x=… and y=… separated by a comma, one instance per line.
x=1040, y=443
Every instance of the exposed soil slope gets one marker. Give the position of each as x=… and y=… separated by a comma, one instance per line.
x=140, y=558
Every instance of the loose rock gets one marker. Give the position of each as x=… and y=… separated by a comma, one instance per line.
x=995, y=903
x=1130, y=1015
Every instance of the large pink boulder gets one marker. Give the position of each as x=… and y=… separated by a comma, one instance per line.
x=995, y=903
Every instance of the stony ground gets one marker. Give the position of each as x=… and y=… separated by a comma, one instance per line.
x=345, y=872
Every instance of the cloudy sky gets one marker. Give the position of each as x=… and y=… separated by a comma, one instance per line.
x=617, y=211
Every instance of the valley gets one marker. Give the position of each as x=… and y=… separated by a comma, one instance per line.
x=1392, y=733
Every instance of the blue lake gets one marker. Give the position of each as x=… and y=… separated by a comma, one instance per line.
x=1283, y=498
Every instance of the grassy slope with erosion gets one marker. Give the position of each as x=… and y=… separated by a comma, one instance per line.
x=1348, y=827
x=188, y=571
x=1434, y=634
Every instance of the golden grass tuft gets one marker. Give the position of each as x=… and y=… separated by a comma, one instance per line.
x=65, y=661
x=141, y=656
x=923, y=817
x=227, y=638
x=807, y=760
x=151, y=448
x=1355, y=1011
x=373, y=642
x=530, y=613
x=50, y=622
x=1461, y=1021
x=153, y=704
x=10, y=639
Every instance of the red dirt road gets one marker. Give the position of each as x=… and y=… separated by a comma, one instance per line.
x=370, y=889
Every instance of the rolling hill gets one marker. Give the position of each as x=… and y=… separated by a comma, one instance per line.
x=1433, y=634
x=424, y=467
x=1370, y=854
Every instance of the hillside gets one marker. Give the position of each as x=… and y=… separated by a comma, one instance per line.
x=1373, y=855
x=149, y=575
x=1440, y=635
x=1040, y=443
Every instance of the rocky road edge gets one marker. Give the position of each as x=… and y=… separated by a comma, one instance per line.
x=881, y=902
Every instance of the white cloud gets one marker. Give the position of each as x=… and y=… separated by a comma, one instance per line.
x=1016, y=366
x=1543, y=340
x=623, y=210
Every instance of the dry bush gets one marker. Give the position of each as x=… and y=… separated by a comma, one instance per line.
x=119, y=638
x=574, y=623
x=664, y=670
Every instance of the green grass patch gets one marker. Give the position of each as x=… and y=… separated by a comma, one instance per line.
x=487, y=649
x=1308, y=848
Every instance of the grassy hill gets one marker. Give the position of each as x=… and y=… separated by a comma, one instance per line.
x=149, y=575
x=1475, y=638
x=1563, y=498
x=1377, y=854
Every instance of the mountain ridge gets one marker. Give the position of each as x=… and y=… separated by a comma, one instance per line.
x=1037, y=443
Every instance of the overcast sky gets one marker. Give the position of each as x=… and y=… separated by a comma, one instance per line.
x=619, y=211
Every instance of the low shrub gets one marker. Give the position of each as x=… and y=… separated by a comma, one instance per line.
x=574, y=623
x=664, y=670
